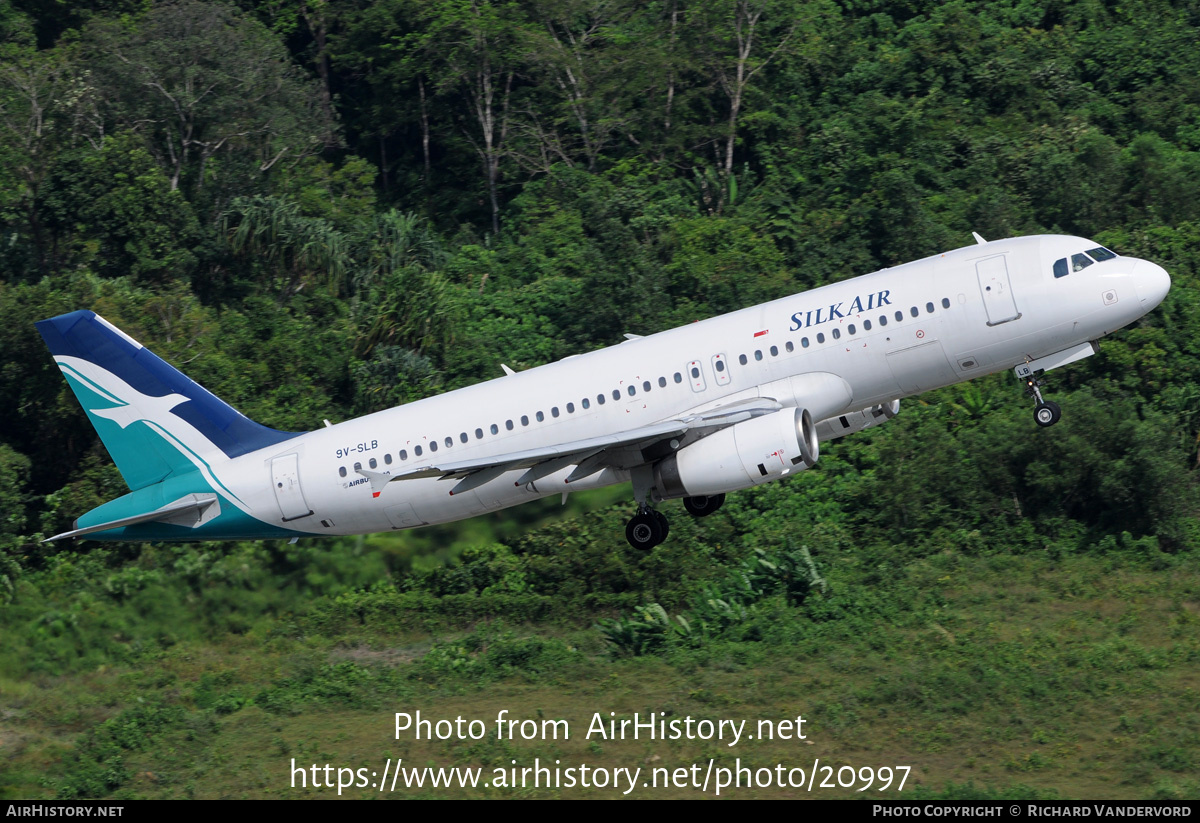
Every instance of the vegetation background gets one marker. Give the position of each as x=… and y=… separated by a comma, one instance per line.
x=323, y=208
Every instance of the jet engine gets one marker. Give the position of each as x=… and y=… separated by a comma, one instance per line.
x=740, y=456
x=844, y=424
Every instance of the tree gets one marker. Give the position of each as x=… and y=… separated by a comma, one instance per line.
x=294, y=250
x=467, y=48
x=740, y=39
x=577, y=50
x=201, y=81
x=114, y=210
x=401, y=297
x=44, y=107
x=14, y=470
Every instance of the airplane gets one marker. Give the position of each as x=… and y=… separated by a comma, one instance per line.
x=695, y=412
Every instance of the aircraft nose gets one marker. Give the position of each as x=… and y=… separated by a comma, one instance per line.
x=1152, y=283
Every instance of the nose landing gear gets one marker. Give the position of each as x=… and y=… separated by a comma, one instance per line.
x=1045, y=412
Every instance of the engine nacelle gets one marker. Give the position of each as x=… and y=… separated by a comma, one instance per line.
x=853, y=422
x=743, y=455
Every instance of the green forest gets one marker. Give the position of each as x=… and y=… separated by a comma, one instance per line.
x=324, y=208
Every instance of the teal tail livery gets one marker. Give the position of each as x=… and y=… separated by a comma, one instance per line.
x=174, y=442
x=691, y=414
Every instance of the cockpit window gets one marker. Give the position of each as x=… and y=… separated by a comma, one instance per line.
x=1099, y=254
x=1079, y=262
x=1060, y=267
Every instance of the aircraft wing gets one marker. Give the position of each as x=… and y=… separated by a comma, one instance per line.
x=589, y=455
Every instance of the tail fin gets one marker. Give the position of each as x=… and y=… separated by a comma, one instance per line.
x=154, y=420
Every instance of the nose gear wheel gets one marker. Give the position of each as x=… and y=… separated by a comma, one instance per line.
x=1045, y=412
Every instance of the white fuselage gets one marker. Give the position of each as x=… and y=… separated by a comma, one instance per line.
x=899, y=331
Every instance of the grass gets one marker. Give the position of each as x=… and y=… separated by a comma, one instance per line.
x=433, y=546
x=1073, y=678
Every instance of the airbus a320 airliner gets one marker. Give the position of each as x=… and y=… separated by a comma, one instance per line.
x=692, y=413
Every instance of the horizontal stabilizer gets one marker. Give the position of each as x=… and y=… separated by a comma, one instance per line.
x=191, y=510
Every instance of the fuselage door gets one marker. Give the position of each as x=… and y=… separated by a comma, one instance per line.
x=696, y=376
x=720, y=369
x=996, y=289
x=285, y=478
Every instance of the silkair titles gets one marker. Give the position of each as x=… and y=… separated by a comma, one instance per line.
x=836, y=311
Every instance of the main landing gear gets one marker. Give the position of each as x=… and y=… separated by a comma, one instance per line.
x=647, y=528
x=703, y=506
x=1045, y=412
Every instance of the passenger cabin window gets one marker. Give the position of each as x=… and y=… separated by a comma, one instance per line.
x=524, y=420
x=616, y=394
x=462, y=437
x=373, y=463
x=479, y=434
x=404, y=454
x=742, y=359
x=342, y=471
x=494, y=429
x=662, y=382
x=866, y=325
x=554, y=411
x=449, y=442
x=929, y=308
x=945, y=303
x=790, y=346
x=387, y=458
x=1079, y=262
x=570, y=408
x=433, y=445
x=417, y=451
x=540, y=417
x=678, y=377
x=587, y=404
x=837, y=333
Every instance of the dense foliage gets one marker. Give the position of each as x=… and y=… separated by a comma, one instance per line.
x=326, y=208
